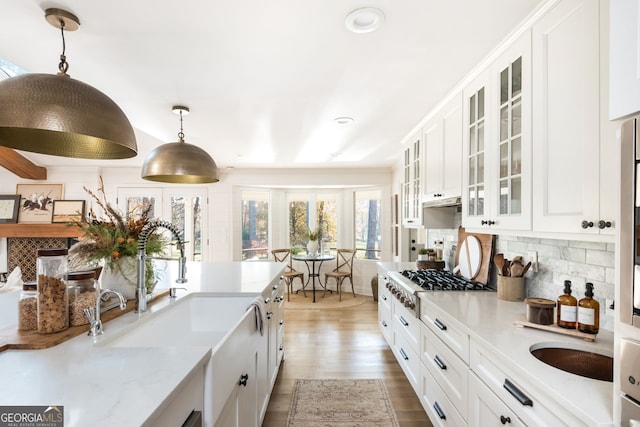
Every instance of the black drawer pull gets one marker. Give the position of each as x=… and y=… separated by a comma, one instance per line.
x=404, y=322
x=515, y=392
x=404, y=355
x=281, y=322
x=504, y=420
x=384, y=323
x=440, y=325
x=243, y=380
x=439, y=411
x=384, y=297
x=440, y=363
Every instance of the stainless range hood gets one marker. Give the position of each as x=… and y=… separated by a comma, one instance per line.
x=441, y=212
x=443, y=202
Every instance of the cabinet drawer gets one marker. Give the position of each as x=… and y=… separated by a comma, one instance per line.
x=485, y=409
x=441, y=411
x=406, y=322
x=407, y=358
x=518, y=394
x=445, y=329
x=449, y=371
x=384, y=322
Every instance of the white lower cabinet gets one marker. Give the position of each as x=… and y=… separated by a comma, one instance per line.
x=449, y=371
x=441, y=411
x=240, y=409
x=406, y=336
x=273, y=343
x=485, y=409
x=384, y=311
x=530, y=403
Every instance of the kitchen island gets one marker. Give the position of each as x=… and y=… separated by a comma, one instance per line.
x=103, y=385
x=468, y=346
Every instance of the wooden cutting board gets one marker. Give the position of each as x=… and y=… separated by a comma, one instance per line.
x=13, y=339
x=487, y=242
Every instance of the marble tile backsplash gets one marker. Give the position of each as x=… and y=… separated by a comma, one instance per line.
x=560, y=260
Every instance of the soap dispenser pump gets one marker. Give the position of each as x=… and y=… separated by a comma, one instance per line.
x=589, y=312
x=567, y=314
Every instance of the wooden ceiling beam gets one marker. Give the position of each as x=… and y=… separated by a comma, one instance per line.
x=19, y=165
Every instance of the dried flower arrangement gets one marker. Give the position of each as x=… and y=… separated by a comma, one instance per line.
x=114, y=237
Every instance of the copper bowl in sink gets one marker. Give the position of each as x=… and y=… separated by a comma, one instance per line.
x=575, y=360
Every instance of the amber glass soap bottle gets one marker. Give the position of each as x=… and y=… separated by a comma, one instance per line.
x=567, y=314
x=588, y=312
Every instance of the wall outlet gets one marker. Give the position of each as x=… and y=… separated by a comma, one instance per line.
x=533, y=257
x=608, y=303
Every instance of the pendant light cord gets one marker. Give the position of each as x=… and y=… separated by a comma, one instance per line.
x=63, y=66
x=181, y=134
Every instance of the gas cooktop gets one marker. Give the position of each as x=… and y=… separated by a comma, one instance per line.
x=436, y=280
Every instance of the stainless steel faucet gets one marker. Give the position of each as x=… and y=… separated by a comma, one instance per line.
x=141, y=290
x=94, y=318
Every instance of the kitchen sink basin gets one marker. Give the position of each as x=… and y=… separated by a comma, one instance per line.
x=575, y=360
x=196, y=319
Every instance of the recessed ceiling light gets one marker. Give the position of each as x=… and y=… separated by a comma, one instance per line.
x=364, y=20
x=343, y=120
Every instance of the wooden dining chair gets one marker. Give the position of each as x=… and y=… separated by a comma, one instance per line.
x=290, y=273
x=343, y=270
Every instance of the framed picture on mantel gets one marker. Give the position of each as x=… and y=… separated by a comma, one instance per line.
x=36, y=202
x=9, y=205
x=68, y=211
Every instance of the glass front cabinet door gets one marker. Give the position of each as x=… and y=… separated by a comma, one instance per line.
x=497, y=143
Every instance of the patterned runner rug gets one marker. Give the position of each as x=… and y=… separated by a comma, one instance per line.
x=330, y=301
x=343, y=403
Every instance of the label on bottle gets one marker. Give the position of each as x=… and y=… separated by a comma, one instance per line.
x=568, y=313
x=586, y=316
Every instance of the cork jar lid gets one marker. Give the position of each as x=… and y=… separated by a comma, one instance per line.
x=540, y=302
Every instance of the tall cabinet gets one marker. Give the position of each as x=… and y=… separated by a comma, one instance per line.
x=497, y=142
x=574, y=189
x=411, y=204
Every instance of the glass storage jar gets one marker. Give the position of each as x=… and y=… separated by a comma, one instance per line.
x=83, y=291
x=28, y=307
x=53, y=298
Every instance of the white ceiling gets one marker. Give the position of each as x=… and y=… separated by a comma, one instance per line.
x=264, y=79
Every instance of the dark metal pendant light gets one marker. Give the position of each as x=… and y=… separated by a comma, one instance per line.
x=179, y=162
x=57, y=115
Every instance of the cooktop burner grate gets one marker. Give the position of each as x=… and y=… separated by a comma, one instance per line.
x=436, y=280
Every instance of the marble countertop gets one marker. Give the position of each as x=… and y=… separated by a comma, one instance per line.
x=104, y=386
x=490, y=322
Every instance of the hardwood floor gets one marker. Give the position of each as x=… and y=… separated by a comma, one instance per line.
x=344, y=343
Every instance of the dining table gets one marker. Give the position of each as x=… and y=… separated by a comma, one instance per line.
x=310, y=261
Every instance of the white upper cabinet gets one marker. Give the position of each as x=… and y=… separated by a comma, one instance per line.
x=497, y=143
x=443, y=153
x=411, y=205
x=624, y=51
x=572, y=190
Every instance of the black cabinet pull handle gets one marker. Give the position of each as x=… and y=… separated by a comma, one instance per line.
x=243, y=380
x=440, y=325
x=504, y=420
x=269, y=314
x=515, y=392
x=384, y=323
x=440, y=363
x=384, y=297
x=281, y=322
x=404, y=355
x=439, y=411
x=586, y=224
x=404, y=322
x=266, y=300
x=487, y=222
x=604, y=224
